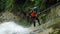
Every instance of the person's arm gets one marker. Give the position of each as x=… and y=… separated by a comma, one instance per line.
x=30, y=13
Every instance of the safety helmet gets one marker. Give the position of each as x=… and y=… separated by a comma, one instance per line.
x=35, y=8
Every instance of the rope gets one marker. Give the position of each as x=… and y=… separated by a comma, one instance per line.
x=49, y=8
x=41, y=7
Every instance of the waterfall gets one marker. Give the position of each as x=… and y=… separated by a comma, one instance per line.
x=13, y=28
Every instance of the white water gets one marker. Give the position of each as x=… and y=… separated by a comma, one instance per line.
x=13, y=28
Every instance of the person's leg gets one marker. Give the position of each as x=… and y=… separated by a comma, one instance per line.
x=31, y=20
x=34, y=21
x=34, y=24
x=38, y=21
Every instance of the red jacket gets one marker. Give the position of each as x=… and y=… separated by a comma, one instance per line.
x=33, y=13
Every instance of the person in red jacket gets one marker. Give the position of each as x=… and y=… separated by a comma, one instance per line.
x=33, y=15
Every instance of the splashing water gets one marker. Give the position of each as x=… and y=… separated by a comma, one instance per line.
x=13, y=28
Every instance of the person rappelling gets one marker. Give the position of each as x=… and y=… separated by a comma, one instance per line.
x=33, y=16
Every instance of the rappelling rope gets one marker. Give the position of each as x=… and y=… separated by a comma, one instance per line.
x=50, y=8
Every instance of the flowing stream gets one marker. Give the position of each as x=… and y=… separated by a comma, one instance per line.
x=13, y=28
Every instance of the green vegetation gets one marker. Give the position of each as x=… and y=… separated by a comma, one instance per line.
x=19, y=7
x=8, y=4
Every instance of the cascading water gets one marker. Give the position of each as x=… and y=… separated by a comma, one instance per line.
x=13, y=28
